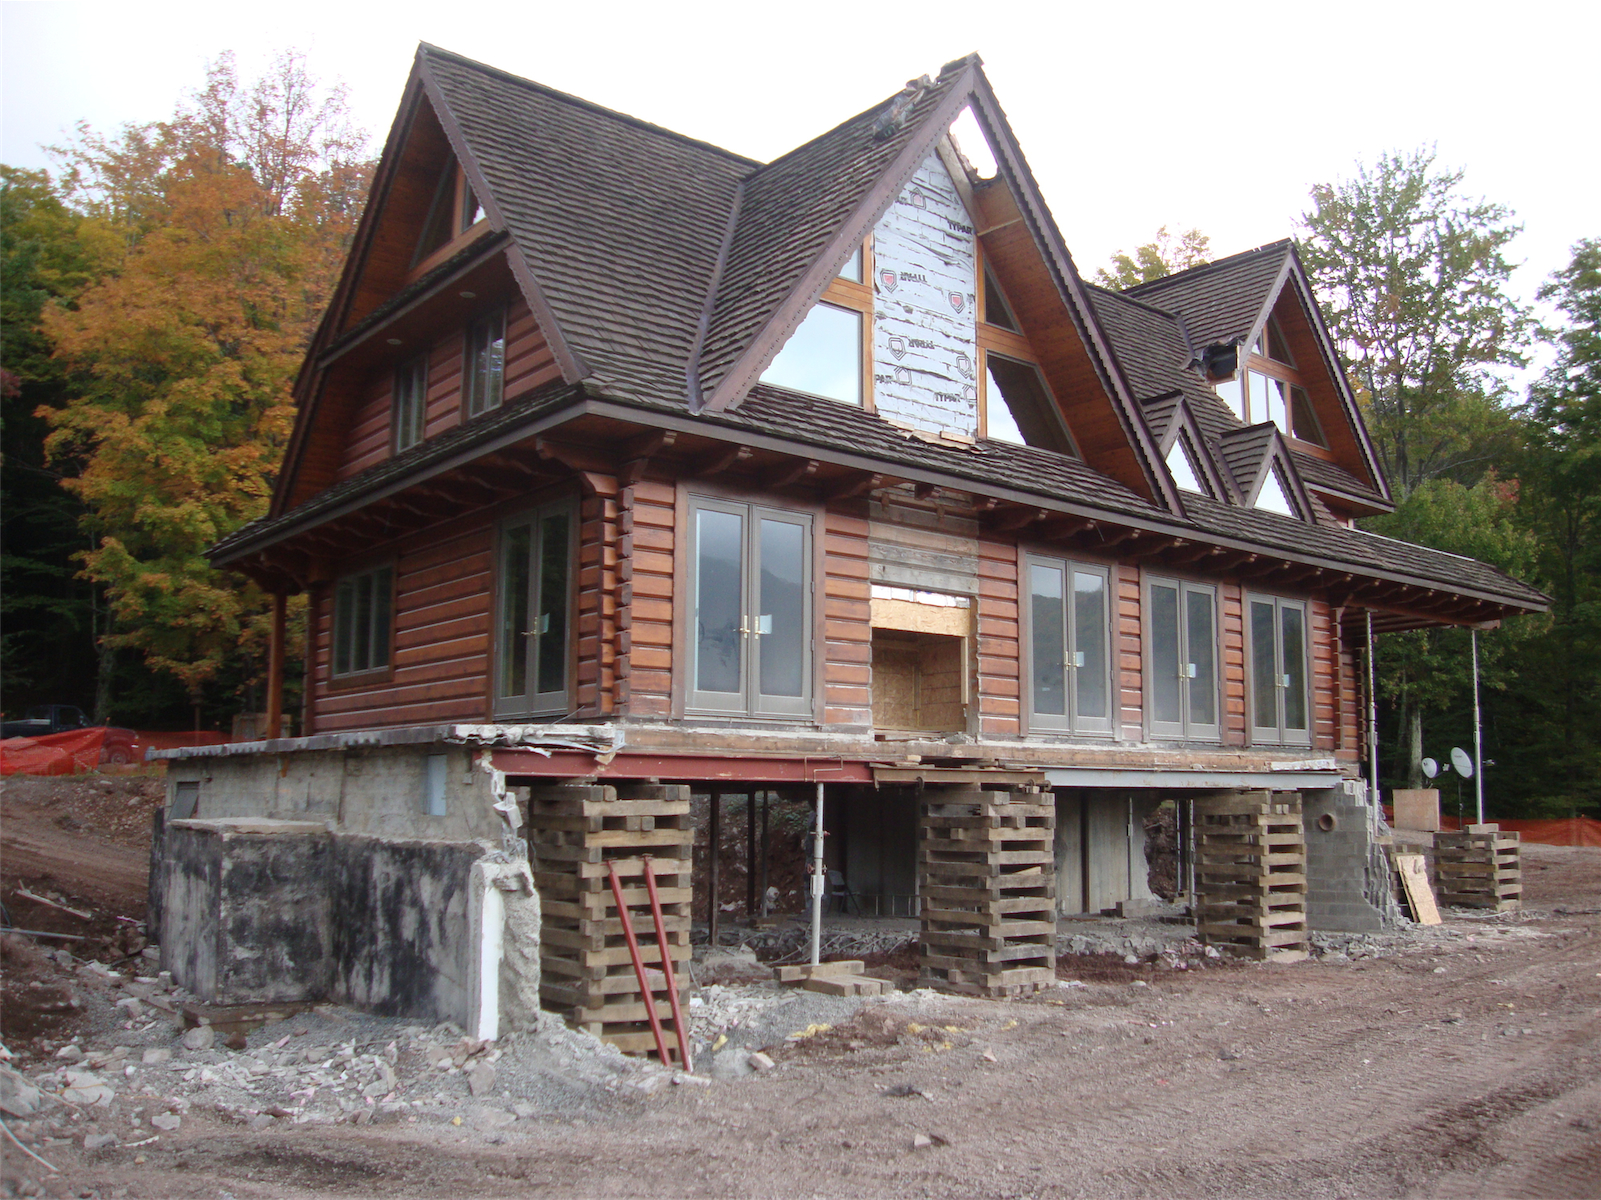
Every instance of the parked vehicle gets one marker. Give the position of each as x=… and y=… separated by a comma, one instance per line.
x=46, y=720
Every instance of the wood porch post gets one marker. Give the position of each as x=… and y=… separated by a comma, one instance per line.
x=275, y=665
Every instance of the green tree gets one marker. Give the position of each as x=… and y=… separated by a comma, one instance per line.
x=1412, y=276
x=1156, y=259
x=1426, y=674
x=1558, y=700
x=234, y=218
x=48, y=256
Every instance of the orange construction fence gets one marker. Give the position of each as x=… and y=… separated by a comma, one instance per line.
x=1561, y=831
x=79, y=750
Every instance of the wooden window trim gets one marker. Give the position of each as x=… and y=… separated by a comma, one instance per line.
x=564, y=702
x=1025, y=620
x=425, y=360
x=860, y=298
x=1009, y=345
x=1286, y=373
x=504, y=312
x=458, y=241
x=385, y=673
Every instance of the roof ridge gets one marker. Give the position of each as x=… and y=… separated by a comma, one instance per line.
x=1227, y=261
x=580, y=102
x=932, y=85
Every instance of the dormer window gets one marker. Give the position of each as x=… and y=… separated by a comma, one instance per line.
x=825, y=355
x=1273, y=496
x=1182, y=468
x=1270, y=389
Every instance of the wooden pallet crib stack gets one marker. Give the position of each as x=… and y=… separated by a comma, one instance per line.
x=586, y=973
x=987, y=868
x=1479, y=867
x=1250, y=875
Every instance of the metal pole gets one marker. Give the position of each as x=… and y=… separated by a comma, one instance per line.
x=1478, y=746
x=715, y=836
x=750, y=854
x=817, y=882
x=1373, y=719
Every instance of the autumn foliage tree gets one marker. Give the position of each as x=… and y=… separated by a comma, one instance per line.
x=233, y=219
x=1164, y=255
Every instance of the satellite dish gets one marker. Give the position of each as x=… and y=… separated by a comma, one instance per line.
x=1430, y=768
x=1462, y=763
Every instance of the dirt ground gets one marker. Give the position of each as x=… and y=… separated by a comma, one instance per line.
x=1467, y=1065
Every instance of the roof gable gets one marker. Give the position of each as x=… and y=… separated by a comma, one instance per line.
x=616, y=224
x=1256, y=454
x=800, y=217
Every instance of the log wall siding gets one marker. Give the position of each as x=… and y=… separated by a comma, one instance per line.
x=1325, y=674
x=1128, y=649
x=597, y=597
x=441, y=637
x=1351, y=732
x=646, y=537
x=1000, y=674
x=847, y=622
x=1231, y=598
x=529, y=364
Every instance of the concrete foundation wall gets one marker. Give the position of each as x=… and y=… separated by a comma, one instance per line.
x=1347, y=871
x=256, y=909
x=378, y=790
x=880, y=849
x=400, y=944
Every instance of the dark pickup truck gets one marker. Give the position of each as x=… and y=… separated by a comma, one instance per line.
x=46, y=719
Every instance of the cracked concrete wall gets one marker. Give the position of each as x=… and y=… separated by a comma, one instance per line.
x=380, y=790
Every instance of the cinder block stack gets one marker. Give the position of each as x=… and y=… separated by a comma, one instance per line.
x=987, y=879
x=1250, y=875
x=1480, y=867
x=586, y=973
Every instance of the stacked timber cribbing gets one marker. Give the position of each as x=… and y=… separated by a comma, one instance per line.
x=1250, y=874
x=1480, y=867
x=987, y=879
x=586, y=973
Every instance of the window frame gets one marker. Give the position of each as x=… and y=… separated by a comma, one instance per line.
x=853, y=295
x=416, y=369
x=748, y=702
x=1070, y=722
x=1279, y=734
x=450, y=192
x=373, y=672
x=1013, y=345
x=470, y=408
x=1259, y=361
x=1185, y=729
x=531, y=702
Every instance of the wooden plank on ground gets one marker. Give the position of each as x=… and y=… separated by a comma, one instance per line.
x=1419, y=895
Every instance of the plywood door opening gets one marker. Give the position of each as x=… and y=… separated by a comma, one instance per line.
x=918, y=681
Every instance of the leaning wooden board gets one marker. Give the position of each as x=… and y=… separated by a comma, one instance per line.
x=1419, y=895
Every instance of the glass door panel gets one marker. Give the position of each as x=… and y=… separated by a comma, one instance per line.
x=1201, y=646
x=1089, y=646
x=781, y=625
x=1166, y=706
x=719, y=603
x=1048, y=626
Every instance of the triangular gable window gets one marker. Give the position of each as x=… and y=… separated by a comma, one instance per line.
x=1183, y=468
x=1273, y=497
x=1019, y=407
x=996, y=310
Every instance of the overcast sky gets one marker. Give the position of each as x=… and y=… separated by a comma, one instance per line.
x=1217, y=116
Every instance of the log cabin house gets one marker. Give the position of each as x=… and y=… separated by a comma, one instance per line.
x=626, y=466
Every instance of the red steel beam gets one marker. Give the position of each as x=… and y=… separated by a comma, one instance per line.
x=568, y=764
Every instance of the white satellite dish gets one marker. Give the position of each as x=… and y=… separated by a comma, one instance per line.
x=1462, y=763
x=1430, y=768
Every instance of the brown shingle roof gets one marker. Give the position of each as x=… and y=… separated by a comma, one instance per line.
x=1221, y=300
x=621, y=221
